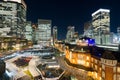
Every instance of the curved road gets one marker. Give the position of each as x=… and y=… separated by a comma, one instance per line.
x=78, y=73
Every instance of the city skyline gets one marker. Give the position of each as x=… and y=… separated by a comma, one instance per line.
x=59, y=40
x=72, y=13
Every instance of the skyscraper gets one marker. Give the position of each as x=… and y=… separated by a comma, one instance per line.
x=70, y=33
x=12, y=18
x=118, y=30
x=55, y=33
x=88, y=29
x=34, y=34
x=101, y=26
x=44, y=32
x=118, y=34
x=28, y=30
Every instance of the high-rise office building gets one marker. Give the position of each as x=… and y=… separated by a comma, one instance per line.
x=34, y=33
x=28, y=30
x=44, y=32
x=55, y=33
x=118, y=30
x=118, y=34
x=101, y=26
x=12, y=18
x=70, y=33
x=88, y=29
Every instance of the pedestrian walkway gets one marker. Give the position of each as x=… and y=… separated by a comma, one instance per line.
x=78, y=73
x=32, y=67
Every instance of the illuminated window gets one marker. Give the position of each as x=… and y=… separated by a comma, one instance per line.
x=73, y=60
x=82, y=62
x=100, y=69
x=103, y=74
x=92, y=59
x=70, y=55
x=92, y=65
x=88, y=58
x=114, y=69
x=114, y=76
x=103, y=67
x=95, y=61
x=96, y=67
x=118, y=69
x=87, y=64
x=80, y=56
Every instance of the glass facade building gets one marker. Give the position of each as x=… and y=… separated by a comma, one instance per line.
x=88, y=29
x=28, y=30
x=101, y=26
x=55, y=33
x=44, y=32
x=12, y=18
x=70, y=33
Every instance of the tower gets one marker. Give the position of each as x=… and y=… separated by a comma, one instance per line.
x=44, y=32
x=12, y=18
x=28, y=30
x=101, y=26
x=88, y=29
x=55, y=33
x=118, y=34
x=70, y=33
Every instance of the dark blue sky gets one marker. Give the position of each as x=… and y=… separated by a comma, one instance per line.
x=71, y=12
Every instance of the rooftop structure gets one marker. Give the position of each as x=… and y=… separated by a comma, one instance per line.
x=100, y=10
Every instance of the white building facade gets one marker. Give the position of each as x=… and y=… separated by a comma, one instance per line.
x=101, y=26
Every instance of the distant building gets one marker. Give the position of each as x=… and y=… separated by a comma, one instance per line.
x=114, y=39
x=12, y=18
x=70, y=33
x=118, y=30
x=112, y=34
x=55, y=34
x=34, y=35
x=76, y=35
x=101, y=26
x=88, y=29
x=44, y=32
x=118, y=33
x=28, y=30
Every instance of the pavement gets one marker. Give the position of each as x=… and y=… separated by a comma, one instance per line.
x=32, y=67
x=17, y=72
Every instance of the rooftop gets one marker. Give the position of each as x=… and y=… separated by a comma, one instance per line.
x=100, y=10
x=96, y=52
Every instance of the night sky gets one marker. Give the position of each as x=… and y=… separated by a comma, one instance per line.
x=64, y=13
